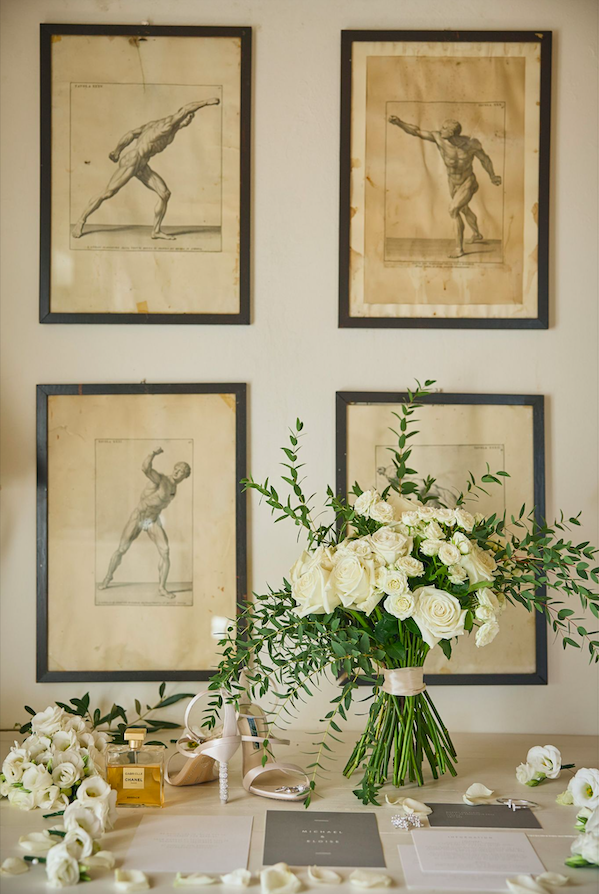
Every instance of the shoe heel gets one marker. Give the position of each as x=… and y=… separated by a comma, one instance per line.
x=223, y=781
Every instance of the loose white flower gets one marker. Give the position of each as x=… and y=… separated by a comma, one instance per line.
x=319, y=876
x=13, y=866
x=431, y=547
x=195, y=880
x=410, y=566
x=525, y=773
x=382, y=512
x=449, y=554
x=37, y=843
x=464, y=519
x=239, y=878
x=363, y=879
x=129, y=880
x=438, y=614
x=545, y=759
x=389, y=546
x=486, y=633
x=365, y=502
x=400, y=605
x=477, y=793
x=22, y=799
x=62, y=867
x=48, y=722
x=587, y=847
x=584, y=788
x=78, y=817
x=279, y=879
x=79, y=843
x=93, y=789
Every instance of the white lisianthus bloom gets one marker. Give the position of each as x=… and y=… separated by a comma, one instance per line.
x=72, y=756
x=93, y=789
x=51, y=799
x=431, y=547
x=389, y=546
x=37, y=746
x=76, y=816
x=279, y=879
x=310, y=584
x=79, y=843
x=12, y=768
x=22, y=799
x=449, y=554
x=100, y=741
x=351, y=579
x=584, y=787
x=65, y=775
x=445, y=516
x=479, y=564
x=438, y=614
x=565, y=799
x=587, y=847
x=62, y=867
x=36, y=777
x=400, y=605
x=410, y=518
x=410, y=566
x=461, y=541
x=65, y=739
x=382, y=512
x=486, y=633
x=366, y=501
x=105, y=810
x=456, y=574
x=74, y=722
x=85, y=740
x=5, y=787
x=525, y=773
x=545, y=759
x=464, y=519
x=48, y=722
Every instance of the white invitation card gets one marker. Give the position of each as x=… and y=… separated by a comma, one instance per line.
x=190, y=844
x=450, y=881
x=509, y=853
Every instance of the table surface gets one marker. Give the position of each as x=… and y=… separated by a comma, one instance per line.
x=490, y=759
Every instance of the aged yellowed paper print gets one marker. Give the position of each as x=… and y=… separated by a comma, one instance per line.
x=444, y=182
x=141, y=530
x=453, y=440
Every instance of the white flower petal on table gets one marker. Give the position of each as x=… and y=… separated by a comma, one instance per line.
x=279, y=879
x=409, y=805
x=101, y=860
x=553, y=879
x=319, y=876
x=194, y=880
x=37, y=843
x=477, y=794
x=13, y=866
x=362, y=879
x=525, y=884
x=128, y=880
x=239, y=877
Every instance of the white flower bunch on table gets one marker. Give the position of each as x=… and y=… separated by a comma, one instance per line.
x=583, y=793
x=52, y=763
x=420, y=564
x=542, y=762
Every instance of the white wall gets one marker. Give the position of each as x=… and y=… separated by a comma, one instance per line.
x=293, y=356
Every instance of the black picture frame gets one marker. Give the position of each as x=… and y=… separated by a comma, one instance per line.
x=541, y=321
x=48, y=32
x=537, y=403
x=43, y=392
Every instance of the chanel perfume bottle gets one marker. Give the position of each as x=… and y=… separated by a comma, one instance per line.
x=136, y=771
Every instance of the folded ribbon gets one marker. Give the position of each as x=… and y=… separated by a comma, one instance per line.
x=403, y=680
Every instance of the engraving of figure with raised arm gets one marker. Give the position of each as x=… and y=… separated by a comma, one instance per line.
x=148, y=139
x=458, y=153
x=156, y=496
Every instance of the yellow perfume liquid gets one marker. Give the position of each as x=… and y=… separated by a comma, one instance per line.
x=136, y=772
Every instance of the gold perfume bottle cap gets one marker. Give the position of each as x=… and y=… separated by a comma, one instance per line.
x=135, y=736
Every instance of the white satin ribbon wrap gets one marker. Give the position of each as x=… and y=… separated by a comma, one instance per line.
x=403, y=680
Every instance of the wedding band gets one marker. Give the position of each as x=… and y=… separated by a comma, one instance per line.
x=517, y=803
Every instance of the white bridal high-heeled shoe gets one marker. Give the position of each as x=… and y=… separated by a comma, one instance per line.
x=283, y=782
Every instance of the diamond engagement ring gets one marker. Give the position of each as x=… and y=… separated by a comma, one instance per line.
x=406, y=821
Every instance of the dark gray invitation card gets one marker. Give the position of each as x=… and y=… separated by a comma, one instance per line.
x=315, y=838
x=482, y=816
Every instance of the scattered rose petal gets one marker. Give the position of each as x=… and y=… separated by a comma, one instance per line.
x=101, y=860
x=128, y=880
x=38, y=843
x=195, y=879
x=553, y=879
x=477, y=794
x=319, y=876
x=13, y=866
x=239, y=877
x=524, y=884
x=363, y=879
x=279, y=879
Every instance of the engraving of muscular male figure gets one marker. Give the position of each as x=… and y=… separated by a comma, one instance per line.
x=149, y=139
x=458, y=153
x=156, y=496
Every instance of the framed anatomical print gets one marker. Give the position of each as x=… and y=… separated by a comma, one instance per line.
x=145, y=174
x=141, y=529
x=459, y=434
x=444, y=179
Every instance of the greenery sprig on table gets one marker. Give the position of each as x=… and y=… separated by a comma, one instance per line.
x=420, y=573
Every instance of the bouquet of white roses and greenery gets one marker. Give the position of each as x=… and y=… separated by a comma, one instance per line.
x=387, y=579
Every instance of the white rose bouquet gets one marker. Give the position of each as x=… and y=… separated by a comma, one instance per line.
x=392, y=576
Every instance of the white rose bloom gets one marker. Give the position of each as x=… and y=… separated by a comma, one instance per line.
x=36, y=777
x=48, y=722
x=461, y=541
x=393, y=583
x=93, y=789
x=310, y=585
x=61, y=867
x=389, y=546
x=445, y=516
x=22, y=799
x=365, y=502
x=351, y=579
x=382, y=512
x=484, y=613
x=457, y=574
x=412, y=567
x=587, y=847
x=65, y=739
x=76, y=816
x=488, y=599
x=524, y=773
x=449, y=554
x=431, y=547
x=584, y=787
x=486, y=633
x=438, y=614
x=400, y=605
x=545, y=759
x=426, y=513
x=360, y=547
x=464, y=519
x=480, y=564
x=410, y=518
x=433, y=531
